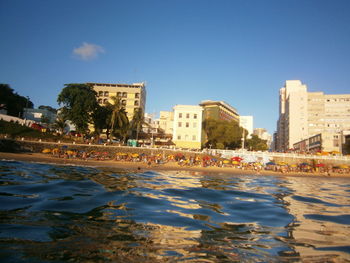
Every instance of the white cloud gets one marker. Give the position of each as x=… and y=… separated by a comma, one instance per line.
x=88, y=51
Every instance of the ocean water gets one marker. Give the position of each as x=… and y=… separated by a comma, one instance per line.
x=52, y=213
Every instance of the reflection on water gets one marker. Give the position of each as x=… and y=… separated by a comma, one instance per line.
x=54, y=213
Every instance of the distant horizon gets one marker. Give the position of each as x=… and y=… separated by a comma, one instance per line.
x=240, y=52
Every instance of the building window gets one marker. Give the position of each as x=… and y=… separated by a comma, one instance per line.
x=136, y=103
x=194, y=116
x=180, y=115
x=179, y=137
x=187, y=124
x=193, y=137
x=179, y=124
x=124, y=102
x=195, y=125
x=106, y=93
x=105, y=101
x=100, y=101
x=100, y=93
x=137, y=95
x=119, y=94
x=125, y=94
x=187, y=115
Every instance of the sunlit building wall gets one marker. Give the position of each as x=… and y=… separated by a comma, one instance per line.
x=166, y=121
x=187, y=127
x=304, y=114
x=131, y=96
x=219, y=110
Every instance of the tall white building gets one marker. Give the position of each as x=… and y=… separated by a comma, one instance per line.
x=187, y=126
x=247, y=123
x=304, y=114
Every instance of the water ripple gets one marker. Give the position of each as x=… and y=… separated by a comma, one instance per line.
x=53, y=213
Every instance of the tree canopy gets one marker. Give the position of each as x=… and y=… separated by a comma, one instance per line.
x=223, y=134
x=79, y=102
x=256, y=144
x=13, y=102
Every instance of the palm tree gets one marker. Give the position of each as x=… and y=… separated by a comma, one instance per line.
x=119, y=122
x=60, y=123
x=138, y=120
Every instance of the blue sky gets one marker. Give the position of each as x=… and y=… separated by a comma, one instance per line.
x=239, y=51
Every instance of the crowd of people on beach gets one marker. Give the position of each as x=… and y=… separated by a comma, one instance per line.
x=198, y=160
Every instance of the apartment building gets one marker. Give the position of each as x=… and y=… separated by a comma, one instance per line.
x=187, y=126
x=219, y=110
x=132, y=96
x=166, y=121
x=305, y=114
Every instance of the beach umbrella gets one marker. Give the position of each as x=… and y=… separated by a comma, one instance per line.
x=135, y=155
x=271, y=163
x=282, y=163
x=320, y=165
x=47, y=151
x=206, y=158
x=55, y=150
x=304, y=164
x=235, y=162
x=236, y=158
x=293, y=165
x=226, y=161
x=344, y=166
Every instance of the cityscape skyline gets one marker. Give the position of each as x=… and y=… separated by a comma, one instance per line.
x=234, y=51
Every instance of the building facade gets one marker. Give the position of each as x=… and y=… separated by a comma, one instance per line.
x=38, y=115
x=187, y=126
x=305, y=114
x=246, y=122
x=219, y=110
x=131, y=96
x=166, y=121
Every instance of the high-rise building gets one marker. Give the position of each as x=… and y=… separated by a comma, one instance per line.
x=304, y=114
x=247, y=123
x=132, y=96
x=187, y=126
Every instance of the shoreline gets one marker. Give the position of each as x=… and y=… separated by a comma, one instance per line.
x=143, y=167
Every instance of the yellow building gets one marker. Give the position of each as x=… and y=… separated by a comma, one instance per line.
x=132, y=96
x=187, y=127
x=219, y=110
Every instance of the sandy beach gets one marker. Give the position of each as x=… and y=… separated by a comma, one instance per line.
x=141, y=166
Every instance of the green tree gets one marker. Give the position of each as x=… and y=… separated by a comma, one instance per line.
x=138, y=120
x=220, y=133
x=102, y=118
x=119, y=122
x=79, y=102
x=256, y=144
x=13, y=102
